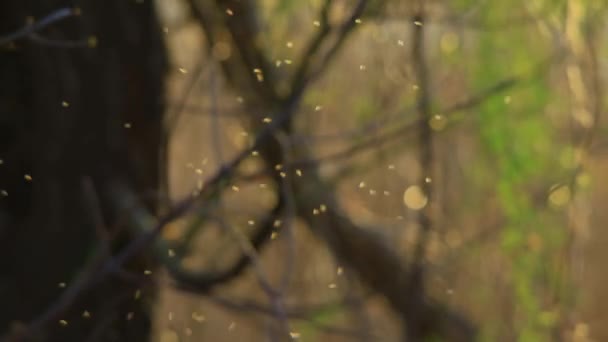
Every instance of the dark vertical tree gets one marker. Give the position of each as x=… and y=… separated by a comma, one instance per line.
x=81, y=103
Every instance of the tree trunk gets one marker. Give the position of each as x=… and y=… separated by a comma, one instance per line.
x=71, y=119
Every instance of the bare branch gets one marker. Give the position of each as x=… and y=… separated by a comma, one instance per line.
x=409, y=128
x=426, y=155
x=368, y=255
x=274, y=296
x=243, y=30
x=311, y=51
x=343, y=32
x=50, y=19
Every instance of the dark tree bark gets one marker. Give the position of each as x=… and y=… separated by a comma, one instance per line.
x=72, y=116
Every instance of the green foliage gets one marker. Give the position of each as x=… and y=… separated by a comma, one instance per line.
x=516, y=137
x=309, y=330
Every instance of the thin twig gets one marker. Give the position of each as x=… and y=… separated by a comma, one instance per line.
x=311, y=51
x=343, y=32
x=50, y=19
x=425, y=147
x=274, y=295
x=410, y=127
x=286, y=226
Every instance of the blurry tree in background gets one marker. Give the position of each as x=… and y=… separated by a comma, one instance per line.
x=320, y=170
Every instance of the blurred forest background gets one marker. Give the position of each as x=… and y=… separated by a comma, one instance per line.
x=320, y=170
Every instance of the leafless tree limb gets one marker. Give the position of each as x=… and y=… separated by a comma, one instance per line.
x=50, y=19
x=425, y=155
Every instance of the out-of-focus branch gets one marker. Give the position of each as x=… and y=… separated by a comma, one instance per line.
x=426, y=157
x=244, y=27
x=170, y=122
x=377, y=265
x=275, y=296
x=405, y=131
x=287, y=225
x=140, y=220
x=178, y=108
x=311, y=51
x=233, y=26
x=204, y=280
x=50, y=19
x=343, y=32
x=596, y=86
